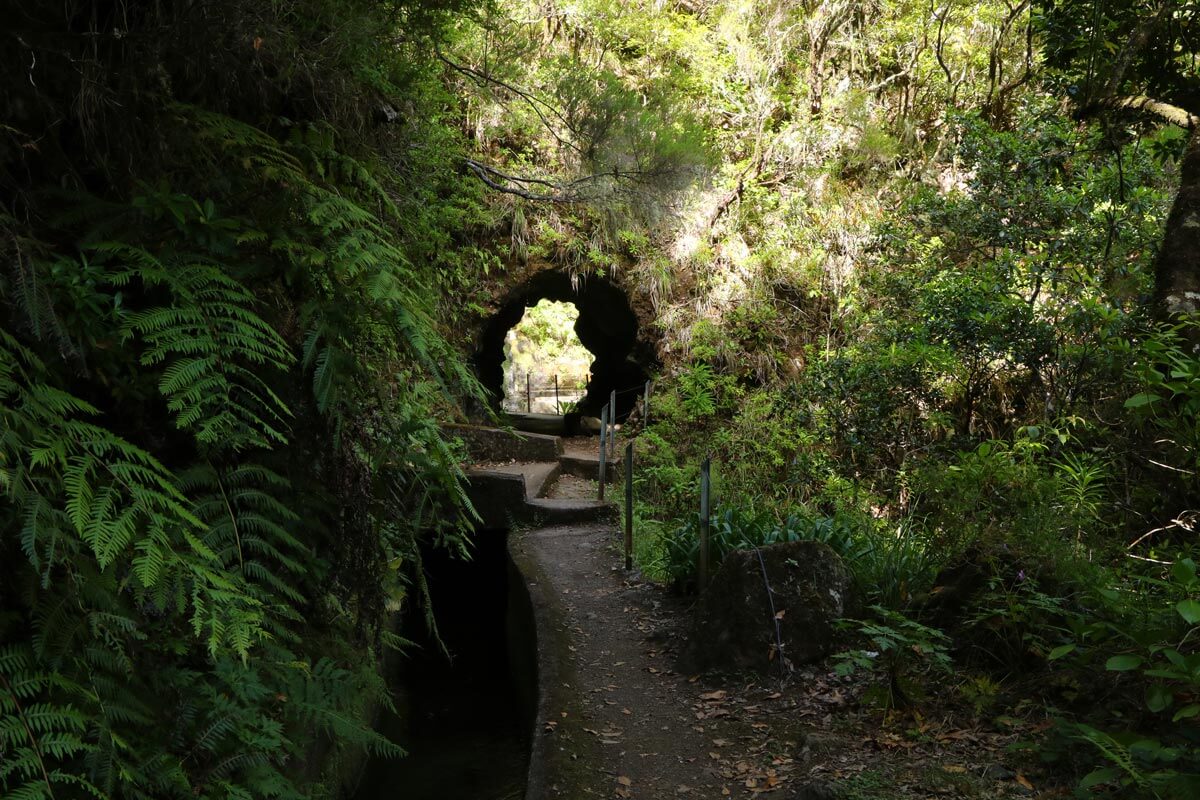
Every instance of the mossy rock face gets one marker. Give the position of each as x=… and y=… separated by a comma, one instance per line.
x=734, y=627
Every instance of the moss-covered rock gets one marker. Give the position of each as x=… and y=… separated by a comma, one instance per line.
x=785, y=594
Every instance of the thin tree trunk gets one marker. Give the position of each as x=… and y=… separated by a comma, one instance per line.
x=1177, y=269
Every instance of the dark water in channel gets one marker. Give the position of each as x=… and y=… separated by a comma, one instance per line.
x=465, y=722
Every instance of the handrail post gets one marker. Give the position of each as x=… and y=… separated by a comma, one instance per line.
x=603, y=451
x=557, y=407
x=629, y=506
x=528, y=396
x=612, y=419
x=705, y=486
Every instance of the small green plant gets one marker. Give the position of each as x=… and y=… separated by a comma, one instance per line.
x=892, y=566
x=1013, y=623
x=980, y=691
x=742, y=527
x=901, y=649
x=1081, y=476
x=1145, y=737
x=698, y=390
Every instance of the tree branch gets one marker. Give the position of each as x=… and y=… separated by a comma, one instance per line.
x=1164, y=111
x=561, y=192
x=940, y=41
x=1137, y=41
x=534, y=102
x=502, y=182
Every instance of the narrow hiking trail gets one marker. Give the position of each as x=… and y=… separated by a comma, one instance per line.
x=639, y=728
x=616, y=717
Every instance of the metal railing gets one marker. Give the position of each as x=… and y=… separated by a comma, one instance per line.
x=563, y=392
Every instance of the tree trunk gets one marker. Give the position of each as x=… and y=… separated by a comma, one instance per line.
x=1177, y=269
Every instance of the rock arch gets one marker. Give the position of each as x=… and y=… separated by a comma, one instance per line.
x=607, y=327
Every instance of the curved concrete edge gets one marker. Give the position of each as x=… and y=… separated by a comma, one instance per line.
x=556, y=762
x=496, y=496
x=497, y=444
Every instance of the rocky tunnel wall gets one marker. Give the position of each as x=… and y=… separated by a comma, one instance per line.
x=607, y=327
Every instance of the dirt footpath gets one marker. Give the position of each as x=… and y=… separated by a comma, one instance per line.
x=635, y=728
x=617, y=720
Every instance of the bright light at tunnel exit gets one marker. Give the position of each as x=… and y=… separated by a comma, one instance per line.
x=540, y=347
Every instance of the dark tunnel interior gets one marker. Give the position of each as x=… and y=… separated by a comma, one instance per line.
x=607, y=327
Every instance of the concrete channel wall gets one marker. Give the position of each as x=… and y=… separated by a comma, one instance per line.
x=558, y=704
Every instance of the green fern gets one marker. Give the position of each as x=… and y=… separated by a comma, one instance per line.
x=211, y=342
x=76, y=483
x=206, y=527
x=37, y=735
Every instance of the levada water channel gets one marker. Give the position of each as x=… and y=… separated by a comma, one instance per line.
x=465, y=720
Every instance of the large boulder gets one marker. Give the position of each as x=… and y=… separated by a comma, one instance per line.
x=733, y=626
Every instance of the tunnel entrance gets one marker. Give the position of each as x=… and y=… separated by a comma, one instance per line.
x=606, y=326
x=546, y=367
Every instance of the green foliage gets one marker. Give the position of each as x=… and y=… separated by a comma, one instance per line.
x=222, y=369
x=1082, y=56
x=733, y=528
x=1140, y=638
x=1166, y=372
x=1013, y=625
x=35, y=737
x=698, y=393
x=886, y=567
x=902, y=650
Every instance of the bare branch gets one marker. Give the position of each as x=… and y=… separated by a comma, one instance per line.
x=502, y=182
x=539, y=106
x=560, y=192
x=940, y=42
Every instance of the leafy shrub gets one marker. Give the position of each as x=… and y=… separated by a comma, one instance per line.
x=902, y=649
x=1166, y=370
x=1014, y=625
x=739, y=528
x=1144, y=645
x=888, y=568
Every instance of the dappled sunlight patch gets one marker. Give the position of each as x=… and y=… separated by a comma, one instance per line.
x=546, y=367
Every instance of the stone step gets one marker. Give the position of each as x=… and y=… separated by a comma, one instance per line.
x=544, y=424
x=495, y=444
x=508, y=494
x=546, y=512
x=587, y=465
x=540, y=479
x=539, y=476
